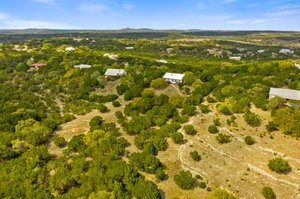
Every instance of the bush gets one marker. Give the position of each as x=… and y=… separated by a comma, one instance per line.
x=119, y=115
x=213, y=129
x=202, y=185
x=222, y=138
x=217, y=122
x=59, y=141
x=159, y=83
x=268, y=193
x=279, y=165
x=195, y=156
x=189, y=129
x=249, y=140
x=271, y=126
x=160, y=174
x=204, y=108
x=252, y=119
x=220, y=194
x=184, y=180
x=177, y=137
x=116, y=104
x=211, y=99
x=102, y=108
x=95, y=123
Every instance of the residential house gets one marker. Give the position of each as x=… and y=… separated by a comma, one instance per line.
x=112, y=72
x=37, y=65
x=82, y=66
x=235, y=58
x=289, y=94
x=174, y=77
x=70, y=48
x=286, y=51
x=162, y=61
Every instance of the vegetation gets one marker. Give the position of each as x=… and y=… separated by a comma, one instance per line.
x=195, y=155
x=36, y=101
x=223, y=138
x=279, y=165
x=220, y=194
x=268, y=193
x=184, y=180
x=249, y=140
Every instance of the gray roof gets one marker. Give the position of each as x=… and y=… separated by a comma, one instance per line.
x=115, y=72
x=83, y=66
x=285, y=93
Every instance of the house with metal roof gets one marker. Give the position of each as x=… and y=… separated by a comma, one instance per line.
x=286, y=51
x=173, y=77
x=112, y=72
x=81, y=66
x=285, y=93
x=70, y=48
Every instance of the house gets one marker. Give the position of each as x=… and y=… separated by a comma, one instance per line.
x=286, y=51
x=297, y=66
x=111, y=72
x=162, y=61
x=70, y=48
x=111, y=56
x=174, y=77
x=129, y=48
x=81, y=66
x=261, y=51
x=284, y=93
x=37, y=65
x=236, y=58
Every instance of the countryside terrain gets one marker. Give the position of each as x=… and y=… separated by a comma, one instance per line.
x=67, y=132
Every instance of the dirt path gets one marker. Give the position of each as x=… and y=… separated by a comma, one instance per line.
x=240, y=168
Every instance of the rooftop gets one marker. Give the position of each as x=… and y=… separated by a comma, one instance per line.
x=285, y=93
x=115, y=72
x=176, y=76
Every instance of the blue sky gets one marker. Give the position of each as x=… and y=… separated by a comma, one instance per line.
x=156, y=14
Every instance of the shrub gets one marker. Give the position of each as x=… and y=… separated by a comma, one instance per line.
x=160, y=174
x=195, y=156
x=213, y=129
x=210, y=99
x=189, y=129
x=222, y=138
x=184, y=180
x=249, y=140
x=119, y=114
x=252, y=119
x=268, y=193
x=158, y=83
x=202, y=185
x=59, y=141
x=204, y=108
x=279, y=165
x=116, y=104
x=271, y=126
x=95, y=123
x=217, y=122
x=177, y=137
x=102, y=108
x=220, y=194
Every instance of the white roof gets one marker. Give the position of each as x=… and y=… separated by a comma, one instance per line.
x=110, y=56
x=162, y=61
x=236, y=58
x=82, y=66
x=129, y=48
x=297, y=65
x=286, y=51
x=175, y=76
x=115, y=72
x=285, y=93
x=70, y=48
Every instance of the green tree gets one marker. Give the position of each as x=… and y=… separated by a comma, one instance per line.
x=59, y=141
x=222, y=138
x=184, y=180
x=213, y=129
x=177, y=137
x=158, y=83
x=279, y=165
x=252, y=119
x=189, y=129
x=189, y=78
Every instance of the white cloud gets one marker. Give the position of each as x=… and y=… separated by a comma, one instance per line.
x=23, y=24
x=128, y=6
x=237, y=22
x=94, y=8
x=258, y=21
x=3, y=16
